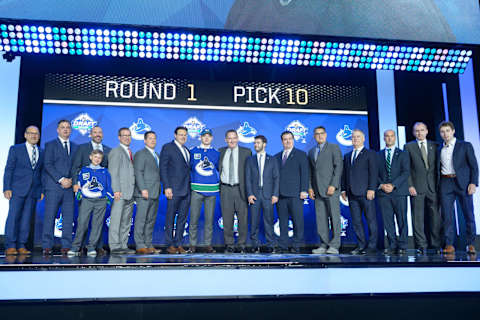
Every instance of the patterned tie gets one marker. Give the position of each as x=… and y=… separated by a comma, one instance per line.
x=389, y=163
x=65, y=146
x=260, y=170
x=156, y=159
x=423, y=151
x=130, y=154
x=34, y=157
x=285, y=157
x=354, y=156
x=230, y=168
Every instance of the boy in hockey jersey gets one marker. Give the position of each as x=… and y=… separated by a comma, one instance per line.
x=205, y=187
x=95, y=187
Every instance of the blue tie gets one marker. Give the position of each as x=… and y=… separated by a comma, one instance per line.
x=354, y=156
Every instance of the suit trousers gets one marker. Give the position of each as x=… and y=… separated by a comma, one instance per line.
x=357, y=205
x=96, y=209
x=266, y=205
x=17, y=225
x=145, y=218
x=449, y=191
x=395, y=207
x=291, y=207
x=120, y=224
x=232, y=202
x=427, y=201
x=195, y=206
x=174, y=228
x=327, y=212
x=55, y=199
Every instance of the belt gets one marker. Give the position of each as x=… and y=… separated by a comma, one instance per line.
x=448, y=175
x=230, y=185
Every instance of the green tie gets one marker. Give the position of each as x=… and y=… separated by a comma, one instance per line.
x=389, y=162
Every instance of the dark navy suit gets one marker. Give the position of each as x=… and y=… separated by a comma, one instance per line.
x=357, y=178
x=294, y=178
x=466, y=171
x=263, y=194
x=25, y=184
x=394, y=204
x=175, y=174
x=82, y=158
x=57, y=164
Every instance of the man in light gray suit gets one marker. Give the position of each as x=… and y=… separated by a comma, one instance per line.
x=120, y=166
x=147, y=188
x=422, y=184
x=326, y=166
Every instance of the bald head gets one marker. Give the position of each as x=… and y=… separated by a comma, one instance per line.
x=32, y=135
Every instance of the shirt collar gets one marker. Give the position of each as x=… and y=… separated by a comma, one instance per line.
x=63, y=141
x=261, y=153
x=321, y=145
x=178, y=144
x=451, y=143
x=150, y=149
x=420, y=141
x=91, y=166
x=30, y=145
x=202, y=146
x=287, y=150
x=124, y=146
x=95, y=144
x=359, y=149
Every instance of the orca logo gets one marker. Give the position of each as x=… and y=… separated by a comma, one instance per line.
x=83, y=123
x=139, y=128
x=298, y=130
x=194, y=127
x=246, y=133
x=205, y=167
x=92, y=189
x=344, y=136
x=235, y=224
x=276, y=228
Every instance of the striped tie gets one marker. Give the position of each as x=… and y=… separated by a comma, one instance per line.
x=34, y=157
x=389, y=162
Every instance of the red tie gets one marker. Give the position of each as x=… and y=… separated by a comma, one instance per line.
x=130, y=153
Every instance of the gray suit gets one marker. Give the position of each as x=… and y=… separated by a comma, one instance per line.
x=326, y=171
x=123, y=180
x=233, y=199
x=147, y=177
x=425, y=182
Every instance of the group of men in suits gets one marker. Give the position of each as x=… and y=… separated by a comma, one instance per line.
x=433, y=176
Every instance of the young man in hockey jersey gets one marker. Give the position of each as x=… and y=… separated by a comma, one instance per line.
x=95, y=187
x=205, y=187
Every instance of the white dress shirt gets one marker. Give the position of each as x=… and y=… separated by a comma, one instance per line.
x=286, y=152
x=419, y=142
x=184, y=151
x=226, y=166
x=356, y=155
x=261, y=161
x=96, y=146
x=154, y=155
x=63, y=144
x=30, y=152
x=126, y=148
x=392, y=150
x=446, y=157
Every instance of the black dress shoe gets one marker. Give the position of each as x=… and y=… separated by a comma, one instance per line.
x=356, y=251
x=401, y=251
x=47, y=252
x=255, y=250
x=422, y=250
x=269, y=250
x=388, y=251
x=229, y=249
x=294, y=250
x=210, y=250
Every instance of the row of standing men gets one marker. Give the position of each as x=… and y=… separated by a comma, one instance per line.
x=430, y=174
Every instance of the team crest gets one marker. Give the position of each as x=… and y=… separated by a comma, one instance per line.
x=276, y=228
x=246, y=133
x=205, y=167
x=83, y=123
x=92, y=189
x=194, y=127
x=298, y=130
x=344, y=136
x=235, y=224
x=344, y=223
x=139, y=128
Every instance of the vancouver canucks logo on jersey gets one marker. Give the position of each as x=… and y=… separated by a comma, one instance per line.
x=83, y=123
x=139, y=128
x=194, y=127
x=298, y=129
x=246, y=133
x=205, y=167
x=92, y=189
x=344, y=136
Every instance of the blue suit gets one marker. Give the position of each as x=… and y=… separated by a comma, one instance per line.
x=466, y=171
x=25, y=184
x=394, y=204
x=358, y=177
x=263, y=194
x=175, y=174
x=58, y=164
x=294, y=178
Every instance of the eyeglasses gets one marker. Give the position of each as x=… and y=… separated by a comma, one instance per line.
x=32, y=133
x=125, y=135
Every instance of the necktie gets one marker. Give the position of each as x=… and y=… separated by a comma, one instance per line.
x=34, y=157
x=423, y=151
x=260, y=170
x=285, y=157
x=130, y=154
x=318, y=150
x=230, y=168
x=354, y=156
x=389, y=162
x=186, y=153
x=156, y=159
x=65, y=146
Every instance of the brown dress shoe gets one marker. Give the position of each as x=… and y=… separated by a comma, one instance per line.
x=23, y=251
x=47, y=251
x=142, y=251
x=181, y=250
x=172, y=250
x=471, y=249
x=152, y=250
x=101, y=252
x=210, y=250
x=11, y=252
x=449, y=249
x=64, y=251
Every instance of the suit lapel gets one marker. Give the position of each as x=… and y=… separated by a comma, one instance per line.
x=26, y=156
x=180, y=153
x=430, y=154
x=358, y=156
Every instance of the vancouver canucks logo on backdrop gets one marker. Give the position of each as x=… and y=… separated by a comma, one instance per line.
x=246, y=133
x=194, y=127
x=139, y=128
x=276, y=228
x=344, y=136
x=298, y=129
x=235, y=224
x=205, y=167
x=344, y=223
x=83, y=123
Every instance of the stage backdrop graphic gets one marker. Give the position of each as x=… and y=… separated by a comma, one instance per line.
x=164, y=118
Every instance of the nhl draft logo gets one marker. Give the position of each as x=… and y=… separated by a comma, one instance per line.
x=246, y=133
x=344, y=223
x=276, y=228
x=139, y=128
x=83, y=123
x=194, y=127
x=235, y=224
x=298, y=130
x=344, y=136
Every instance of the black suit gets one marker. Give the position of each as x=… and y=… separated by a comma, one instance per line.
x=82, y=159
x=424, y=179
x=358, y=177
x=394, y=204
x=294, y=179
